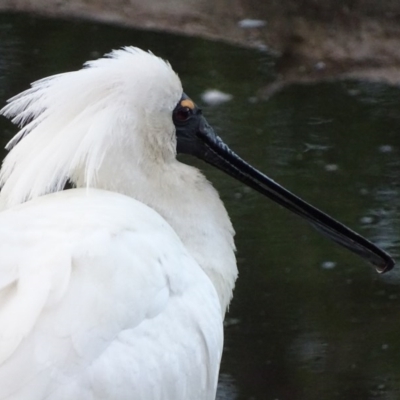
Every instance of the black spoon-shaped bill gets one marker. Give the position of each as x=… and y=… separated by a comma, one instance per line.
x=196, y=137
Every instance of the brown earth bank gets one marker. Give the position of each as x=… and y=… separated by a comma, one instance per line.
x=312, y=39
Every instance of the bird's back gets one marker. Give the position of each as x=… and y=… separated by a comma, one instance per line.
x=99, y=299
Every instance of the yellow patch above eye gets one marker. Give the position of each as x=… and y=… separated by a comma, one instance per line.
x=187, y=103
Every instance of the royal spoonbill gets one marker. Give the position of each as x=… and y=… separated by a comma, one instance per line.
x=117, y=289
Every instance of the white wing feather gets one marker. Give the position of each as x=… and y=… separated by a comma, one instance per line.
x=99, y=299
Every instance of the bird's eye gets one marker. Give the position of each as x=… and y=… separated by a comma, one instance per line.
x=182, y=114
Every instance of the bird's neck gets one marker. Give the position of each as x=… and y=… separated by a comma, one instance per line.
x=189, y=203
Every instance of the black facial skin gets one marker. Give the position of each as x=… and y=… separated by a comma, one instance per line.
x=196, y=137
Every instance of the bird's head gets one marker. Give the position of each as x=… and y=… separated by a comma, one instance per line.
x=72, y=121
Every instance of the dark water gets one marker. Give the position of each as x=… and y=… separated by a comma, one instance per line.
x=309, y=320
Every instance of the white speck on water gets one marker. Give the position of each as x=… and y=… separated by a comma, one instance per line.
x=328, y=265
x=214, y=97
x=320, y=66
x=353, y=92
x=251, y=23
x=386, y=148
x=310, y=146
x=95, y=54
x=231, y=321
x=262, y=47
x=385, y=346
x=364, y=191
x=331, y=167
x=366, y=220
x=381, y=386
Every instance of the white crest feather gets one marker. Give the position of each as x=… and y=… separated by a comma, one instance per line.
x=69, y=122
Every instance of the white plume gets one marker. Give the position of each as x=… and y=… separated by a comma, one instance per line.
x=71, y=121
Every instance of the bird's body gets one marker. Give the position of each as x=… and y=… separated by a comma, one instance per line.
x=111, y=305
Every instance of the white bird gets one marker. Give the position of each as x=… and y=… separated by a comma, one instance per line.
x=117, y=289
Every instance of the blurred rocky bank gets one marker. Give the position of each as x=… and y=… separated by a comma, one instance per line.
x=312, y=39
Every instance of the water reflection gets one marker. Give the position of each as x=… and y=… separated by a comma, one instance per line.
x=308, y=320
x=226, y=388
